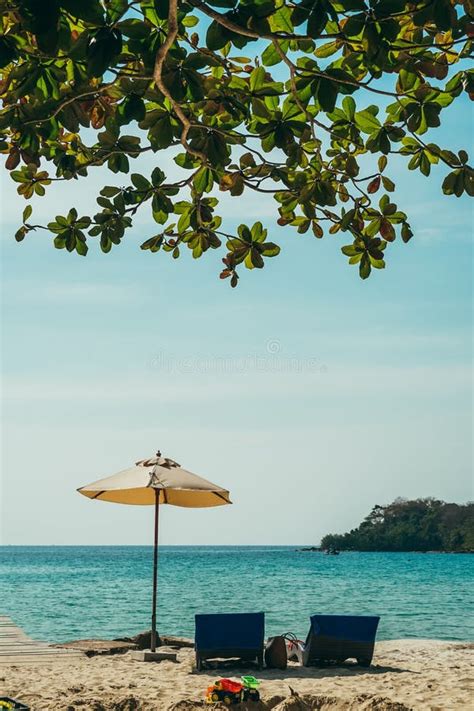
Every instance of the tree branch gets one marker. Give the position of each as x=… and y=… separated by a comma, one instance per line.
x=157, y=75
x=246, y=32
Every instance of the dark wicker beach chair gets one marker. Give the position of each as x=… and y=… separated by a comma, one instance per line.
x=225, y=636
x=335, y=638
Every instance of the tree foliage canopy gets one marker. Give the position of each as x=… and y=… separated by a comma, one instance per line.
x=257, y=95
x=419, y=525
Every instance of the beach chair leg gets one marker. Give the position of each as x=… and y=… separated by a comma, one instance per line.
x=260, y=661
x=198, y=662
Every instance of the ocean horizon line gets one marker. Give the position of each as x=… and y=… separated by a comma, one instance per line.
x=300, y=547
x=303, y=547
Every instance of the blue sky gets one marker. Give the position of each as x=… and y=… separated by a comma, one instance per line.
x=310, y=394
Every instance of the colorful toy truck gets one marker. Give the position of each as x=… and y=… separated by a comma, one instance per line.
x=225, y=690
x=11, y=704
x=233, y=692
x=251, y=685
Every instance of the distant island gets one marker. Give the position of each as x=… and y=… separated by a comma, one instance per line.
x=418, y=525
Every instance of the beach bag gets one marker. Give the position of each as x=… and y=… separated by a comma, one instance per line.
x=294, y=647
x=275, y=653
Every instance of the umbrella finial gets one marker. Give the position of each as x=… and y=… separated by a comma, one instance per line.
x=158, y=460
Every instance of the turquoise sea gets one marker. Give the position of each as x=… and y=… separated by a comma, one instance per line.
x=59, y=593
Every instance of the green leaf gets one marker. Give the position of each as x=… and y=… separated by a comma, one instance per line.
x=115, y=9
x=258, y=232
x=27, y=212
x=388, y=184
x=449, y=182
x=245, y=233
x=190, y=21
x=444, y=14
x=20, y=234
x=134, y=28
x=364, y=267
x=317, y=20
x=349, y=106
x=104, y=45
x=42, y=19
x=354, y=25
x=109, y=191
x=366, y=121
x=216, y=36
x=81, y=248
x=8, y=51
x=157, y=177
x=406, y=232
x=469, y=181
x=347, y=219
x=350, y=250
x=203, y=181
x=281, y=20
x=270, y=249
x=140, y=182
x=382, y=163
x=132, y=109
x=105, y=244
x=327, y=94
x=377, y=263
x=88, y=10
x=270, y=56
x=328, y=49
x=257, y=79
x=407, y=80
x=373, y=227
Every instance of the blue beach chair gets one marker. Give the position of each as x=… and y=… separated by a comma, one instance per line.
x=335, y=638
x=225, y=636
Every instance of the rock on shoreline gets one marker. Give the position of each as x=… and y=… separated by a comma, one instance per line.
x=122, y=645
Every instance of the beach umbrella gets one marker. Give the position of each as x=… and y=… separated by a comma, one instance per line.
x=156, y=481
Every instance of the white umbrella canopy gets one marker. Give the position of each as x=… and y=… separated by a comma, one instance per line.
x=156, y=481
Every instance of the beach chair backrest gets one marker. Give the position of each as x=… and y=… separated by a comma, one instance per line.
x=340, y=637
x=230, y=631
x=358, y=628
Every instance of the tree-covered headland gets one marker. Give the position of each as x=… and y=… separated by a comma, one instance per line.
x=418, y=525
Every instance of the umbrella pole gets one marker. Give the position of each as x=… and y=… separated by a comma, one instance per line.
x=155, y=571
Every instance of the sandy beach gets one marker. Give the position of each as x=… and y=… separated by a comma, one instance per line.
x=406, y=674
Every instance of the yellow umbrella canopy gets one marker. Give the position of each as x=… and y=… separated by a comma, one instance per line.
x=156, y=481
x=160, y=476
